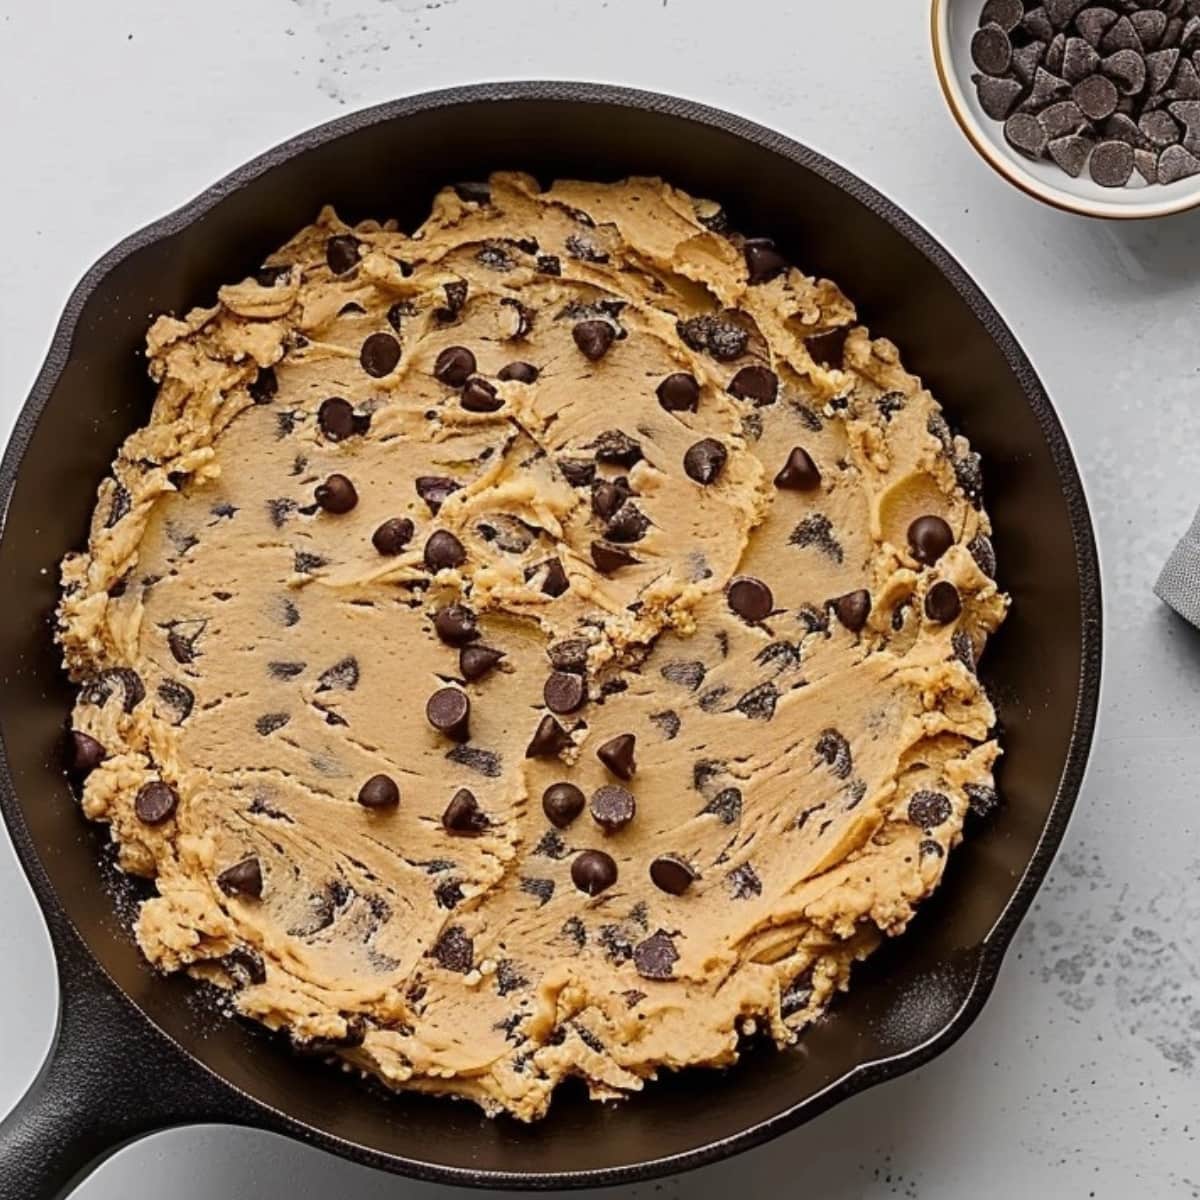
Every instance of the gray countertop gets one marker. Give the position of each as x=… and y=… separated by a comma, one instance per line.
x=1081, y=1077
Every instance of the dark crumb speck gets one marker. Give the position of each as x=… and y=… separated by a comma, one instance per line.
x=816, y=530
x=543, y=889
x=726, y=806
x=667, y=722
x=744, y=882
x=551, y=845
x=573, y=928
x=486, y=762
x=509, y=977
x=759, y=702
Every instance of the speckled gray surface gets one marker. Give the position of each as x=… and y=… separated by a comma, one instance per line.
x=1081, y=1077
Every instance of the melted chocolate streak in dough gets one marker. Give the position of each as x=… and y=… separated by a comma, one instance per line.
x=471, y=964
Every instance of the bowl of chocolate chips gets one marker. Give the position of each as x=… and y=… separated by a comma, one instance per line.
x=1092, y=107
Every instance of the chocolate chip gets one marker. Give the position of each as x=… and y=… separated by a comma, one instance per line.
x=454, y=366
x=342, y=676
x=155, y=802
x=86, y=753
x=799, y=473
x=612, y=807
x=608, y=559
x=759, y=702
x=479, y=396
x=379, y=792
x=485, y=762
x=564, y=692
x=571, y=654
x=750, y=598
x=456, y=298
x=1024, y=133
x=455, y=624
x=1096, y=96
x=672, y=874
x=463, y=816
x=853, y=609
x=1111, y=164
x=242, y=879
x=991, y=50
x=655, y=958
x=336, y=419
x=834, y=751
x=1159, y=68
x=549, y=739
x=617, y=449
x=617, y=754
x=179, y=698
x=1046, y=88
x=756, y=383
x=435, y=490
x=268, y=723
x=518, y=372
x=608, y=495
x=1159, y=128
x=981, y=550
x=997, y=96
x=562, y=803
x=548, y=264
x=448, y=710
x=265, y=386
x=1079, y=60
x=593, y=872
x=942, y=602
x=704, y=461
x=929, y=809
x=1055, y=53
x=393, y=535
x=474, y=662
x=397, y=312
x=679, y=392
x=473, y=192
x=687, y=674
x=1037, y=24
x=380, y=355
x=1005, y=13
x=593, y=338
x=1093, y=22
x=1127, y=69
x=336, y=495
x=929, y=537
x=628, y=524
x=342, y=253
x=763, y=261
x=1061, y=12
x=723, y=338
x=1025, y=62
x=454, y=950
x=577, y=472
x=1071, y=153
x=112, y=679
x=1061, y=119
x=555, y=581
x=1176, y=163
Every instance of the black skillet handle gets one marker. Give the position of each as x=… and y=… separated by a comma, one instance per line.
x=110, y=1078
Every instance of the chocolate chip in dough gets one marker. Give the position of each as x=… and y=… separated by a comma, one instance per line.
x=763, y=261
x=853, y=609
x=1111, y=164
x=991, y=51
x=564, y=692
x=617, y=448
x=518, y=372
x=336, y=419
x=593, y=337
x=562, y=803
x=672, y=874
x=435, y=490
x=155, y=802
x=724, y=339
x=828, y=349
x=444, y=551
x=608, y=559
x=929, y=537
x=928, y=810
x=454, y=366
x=456, y=298
x=380, y=355
x=617, y=754
x=593, y=872
x=455, y=624
x=392, y=536
x=474, y=662
x=463, y=815
x=1024, y=133
x=577, y=472
x=448, y=710
x=380, y=791
x=627, y=524
x=750, y=598
x=756, y=383
x=454, y=950
x=336, y=495
x=242, y=879
x=799, y=473
x=265, y=386
x=679, y=392
x=86, y=753
x=655, y=958
x=612, y=807
x=549, y=739
x=479, y=396
x=942, y=602
x=704, y=461
x=608, y=495
x=342, y=253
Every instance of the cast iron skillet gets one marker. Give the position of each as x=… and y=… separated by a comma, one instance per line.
x=134, y=1052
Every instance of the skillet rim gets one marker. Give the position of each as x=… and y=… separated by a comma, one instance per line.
x=988, y=954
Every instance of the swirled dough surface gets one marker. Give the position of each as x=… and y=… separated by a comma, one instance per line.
x=259, y=655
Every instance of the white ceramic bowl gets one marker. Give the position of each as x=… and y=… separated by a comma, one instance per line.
x=953, y=24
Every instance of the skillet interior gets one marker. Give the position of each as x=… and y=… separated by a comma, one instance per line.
x=1043, y=668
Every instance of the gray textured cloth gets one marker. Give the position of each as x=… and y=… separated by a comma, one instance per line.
x=1179, y=583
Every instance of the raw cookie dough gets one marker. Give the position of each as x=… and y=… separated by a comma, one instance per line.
x=684, y=519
